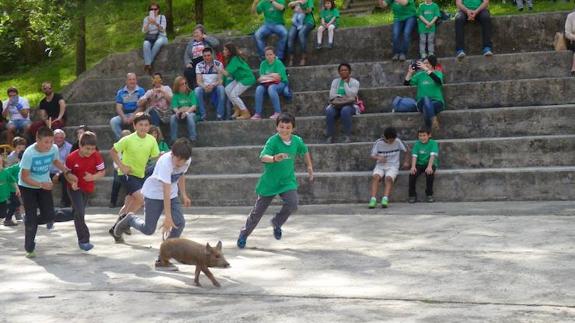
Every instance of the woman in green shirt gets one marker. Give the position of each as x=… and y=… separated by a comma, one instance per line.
x=184, y=104
x=273, y=79
x=243, y=78
x=404, y=21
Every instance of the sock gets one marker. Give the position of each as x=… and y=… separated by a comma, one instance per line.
x=385, y=197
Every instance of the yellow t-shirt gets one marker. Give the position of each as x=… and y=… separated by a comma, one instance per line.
x=136, y=152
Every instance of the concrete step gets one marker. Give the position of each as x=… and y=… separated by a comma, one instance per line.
x=529, y=33
x=529, y=151
x=491, y=184
x=474, y=123
x=457, y=96
x=363, y=10
x=379, y=74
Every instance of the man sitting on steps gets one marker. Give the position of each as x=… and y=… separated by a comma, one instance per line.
x=472, y=10
x=126, y=104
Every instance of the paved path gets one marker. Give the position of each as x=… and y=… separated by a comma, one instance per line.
x=446, y=262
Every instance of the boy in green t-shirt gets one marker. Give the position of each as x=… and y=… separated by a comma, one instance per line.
x=424, y=159
x=278, y=157
x=9, y=192
x=427, y=15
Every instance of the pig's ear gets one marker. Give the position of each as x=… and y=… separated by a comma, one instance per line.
x=219, y=246
x=208, y=247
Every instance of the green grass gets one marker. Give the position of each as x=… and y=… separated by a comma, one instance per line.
x=114, y=26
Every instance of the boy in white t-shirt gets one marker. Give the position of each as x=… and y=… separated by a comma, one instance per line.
x=161, y=195
x=386, y=152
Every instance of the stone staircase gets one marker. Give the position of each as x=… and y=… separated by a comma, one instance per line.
x=358, y=7
x=508, y=132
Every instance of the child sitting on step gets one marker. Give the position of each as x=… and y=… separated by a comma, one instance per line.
x=329, y=17
x=424, y=160
x=298, y=15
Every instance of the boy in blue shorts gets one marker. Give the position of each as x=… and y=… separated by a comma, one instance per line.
x=278, y=157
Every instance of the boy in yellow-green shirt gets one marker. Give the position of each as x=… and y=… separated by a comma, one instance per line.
x=278, y=157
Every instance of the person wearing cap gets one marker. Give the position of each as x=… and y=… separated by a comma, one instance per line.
x=17, y=110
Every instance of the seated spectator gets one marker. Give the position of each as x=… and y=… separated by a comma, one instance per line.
x=154, y=26
x=404, y=21
x=342, y=103
x=157, y=101
x=184, y=106
x=329, y=17
x=427, y=15
x=520, y=5
x=156, y=132
x=19, y=144
x=78, y=132
x=301, y=32
x=429, y=83
x=472, y=10
x=193, y=53
x=570, y=35
x=64, y=149
x=424, y=160
x=126, y=104
x=273, y=79
x=17, y=110
x=273, y=11
x=51, y=111
x=243, y=78
x=210, y=82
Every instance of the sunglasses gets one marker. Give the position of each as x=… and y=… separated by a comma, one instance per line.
x=154, y=9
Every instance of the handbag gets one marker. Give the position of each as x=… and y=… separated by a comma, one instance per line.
x=341, y=101
x=559, y=42
x=153, y=37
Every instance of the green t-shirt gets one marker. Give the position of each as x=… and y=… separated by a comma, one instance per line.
x=180, y=100
x=426, y=86
x=309, y=16
x=400, y=13
x=136, y=152
x=328, y=15
x=280, y=177
x=424, y=151
x=428, y=11
x=271, y=14
x=276, y=67
x=8, y=179
x=241, y=71
x=163, y=146
x=341, y=88
x=472, y=4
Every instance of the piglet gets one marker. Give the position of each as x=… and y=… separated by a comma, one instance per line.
x=192, y=253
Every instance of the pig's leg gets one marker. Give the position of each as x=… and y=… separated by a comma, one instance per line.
x=208, y=273
x=197, y=277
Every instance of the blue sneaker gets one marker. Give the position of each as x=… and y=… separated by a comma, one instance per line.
x=460, y=54
x=242, y=242
x=50, y=226
x=86, y=246
x=487, y=51
x=278, y=233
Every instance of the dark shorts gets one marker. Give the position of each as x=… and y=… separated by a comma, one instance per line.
x=570, y=45
x=131, y=183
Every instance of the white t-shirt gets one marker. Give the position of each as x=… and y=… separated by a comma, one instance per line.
x=164, y=173
x=14, y=108
x=390, y=152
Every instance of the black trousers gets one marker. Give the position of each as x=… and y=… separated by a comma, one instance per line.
x=116, y=185
x=79, y=200
x=484, y=19
x=34, y=199
x=428, y=180
x=13, y=205
x=64, y=199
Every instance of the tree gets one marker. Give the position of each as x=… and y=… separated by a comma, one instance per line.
x=199, y=11
x=169, y=18
x=81, y=38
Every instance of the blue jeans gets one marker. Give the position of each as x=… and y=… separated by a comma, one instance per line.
x=190, y=120
x=430, y=108
x=264, y=31
x=150, y=51
x=153, y=209
x=402, y=34
x=156, y=120
x=301, y=35
x=345, y=113
x=116, y=125
x=273, y=91
x=221, y=94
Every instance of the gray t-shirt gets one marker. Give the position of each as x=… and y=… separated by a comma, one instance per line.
x=390, y=151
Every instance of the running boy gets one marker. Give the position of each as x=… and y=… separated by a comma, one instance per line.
x=161, y=195
x=278, y=156
x=136, y=150
x=8, y=188
x=424, y=159
x=427, y=15
x=35, y=184
x=386, y=152
x=88, y=166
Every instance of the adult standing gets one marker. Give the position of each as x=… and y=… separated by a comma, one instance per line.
x=157, y=101
x=273, y=11
x=342, y=88
x=273, y=79
x=154, y=26
x=17, y=110
x=471, y=11
x=302, y=33
x=570, y=35
x=404, y=21
x=126, y=104
x=51, y=111
x=193, y=53
x=243, y=78
x=210, y=82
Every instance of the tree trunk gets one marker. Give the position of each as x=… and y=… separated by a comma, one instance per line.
x=169, y=18
x=81, y=39
x=199, y=11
